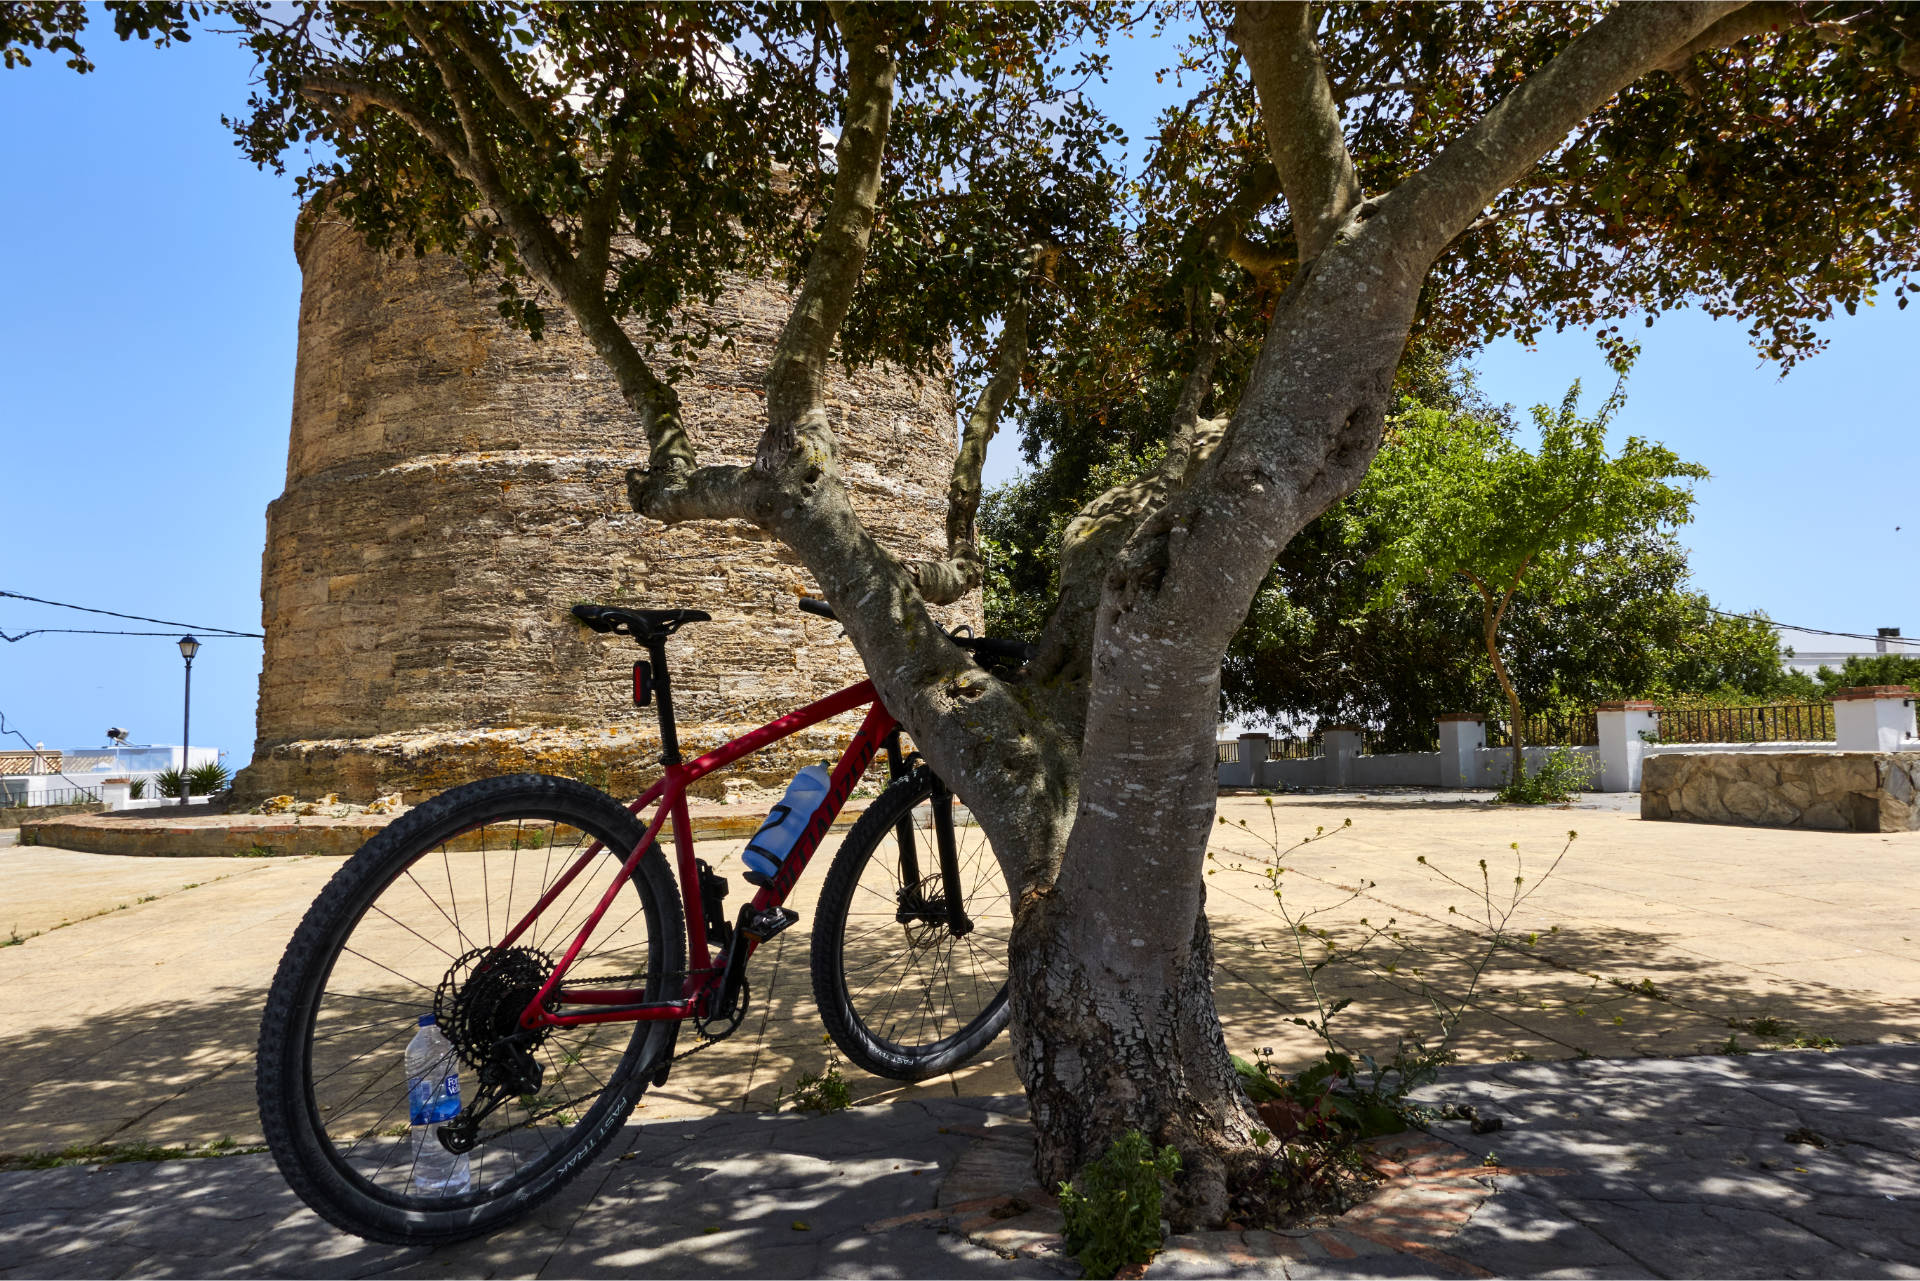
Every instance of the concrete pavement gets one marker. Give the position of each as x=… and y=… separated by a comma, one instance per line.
x=1787, y=1164
x=146, y=977
x=147, y=1001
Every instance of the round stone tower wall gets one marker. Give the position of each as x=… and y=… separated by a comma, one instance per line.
x=454, y=487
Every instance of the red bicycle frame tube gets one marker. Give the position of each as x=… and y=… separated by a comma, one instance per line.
x=671, y=792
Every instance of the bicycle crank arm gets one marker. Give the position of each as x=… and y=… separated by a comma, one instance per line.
x=750, y=931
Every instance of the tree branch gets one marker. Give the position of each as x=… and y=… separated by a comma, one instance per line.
x=493, y=70
x=1193, y=394
x=796, y=383
x=441, y=139
x=1748, y=20
x=1301, y=118
x=945, y=581
x=670, y=454
x=1436, y=204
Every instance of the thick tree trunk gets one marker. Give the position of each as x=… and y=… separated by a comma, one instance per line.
x=1113, y=974
x=1110, y=1035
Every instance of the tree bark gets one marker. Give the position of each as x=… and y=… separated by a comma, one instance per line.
x=1490, y=619
x=1112, y=998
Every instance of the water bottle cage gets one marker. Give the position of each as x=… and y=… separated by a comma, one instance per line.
x=713, y=889
x=775, y=818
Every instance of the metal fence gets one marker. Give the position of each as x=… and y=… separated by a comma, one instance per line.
x=1581, y=730
x=52, y=796
x=1278, y=749
x=1769, y=723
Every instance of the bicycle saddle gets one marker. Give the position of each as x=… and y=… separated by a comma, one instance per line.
x=642, y=624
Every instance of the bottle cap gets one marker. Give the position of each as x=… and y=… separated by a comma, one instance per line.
x=427, y=1020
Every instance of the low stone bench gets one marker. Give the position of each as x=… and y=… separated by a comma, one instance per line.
x=1826, y=791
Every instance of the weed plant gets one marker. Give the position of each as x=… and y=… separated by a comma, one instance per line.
x=1558, y=779
x=1112, y=1216
x=119, y=1153
x=820, y=1092
x=1319, y=1117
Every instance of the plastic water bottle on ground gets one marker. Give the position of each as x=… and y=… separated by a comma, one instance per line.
x=778, y=835
x=433, y=1099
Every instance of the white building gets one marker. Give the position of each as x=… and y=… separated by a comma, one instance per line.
x=1810, y=651
x=67, y=776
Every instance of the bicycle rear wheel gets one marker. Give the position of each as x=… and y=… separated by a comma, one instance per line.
x=413, y=924
x=901, y=992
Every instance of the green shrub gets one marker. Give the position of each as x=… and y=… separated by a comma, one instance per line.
x=201, y=780
x=1113, y=1217
x=1561, y=777
x=824, y=1091
x=137, y=790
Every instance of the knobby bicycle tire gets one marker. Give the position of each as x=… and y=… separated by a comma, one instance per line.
x=335, y=1180
x=906, y=998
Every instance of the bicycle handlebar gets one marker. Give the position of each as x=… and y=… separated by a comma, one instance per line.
x=1005, y=651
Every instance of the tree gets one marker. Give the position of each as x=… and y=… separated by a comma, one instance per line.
x=1320, y=645
x=1869, y=669
x=1342, y=177
x=1459, y=498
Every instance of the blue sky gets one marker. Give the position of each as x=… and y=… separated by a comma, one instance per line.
x=147, y=348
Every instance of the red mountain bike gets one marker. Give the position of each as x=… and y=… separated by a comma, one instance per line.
x=539, y=923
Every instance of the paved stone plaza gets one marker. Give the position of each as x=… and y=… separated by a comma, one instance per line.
x=1794, y=1164
x=145, y=1004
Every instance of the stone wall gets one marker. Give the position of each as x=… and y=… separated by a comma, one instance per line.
x=453, y=488
x=1827, y=791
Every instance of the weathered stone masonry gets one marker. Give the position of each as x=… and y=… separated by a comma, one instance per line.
x=1826, y=791
x=454, y=487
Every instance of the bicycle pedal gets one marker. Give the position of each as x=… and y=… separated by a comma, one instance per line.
x=762, y=926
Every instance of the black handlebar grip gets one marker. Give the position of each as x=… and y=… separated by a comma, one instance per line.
x=814, y=605
x=1009, y=651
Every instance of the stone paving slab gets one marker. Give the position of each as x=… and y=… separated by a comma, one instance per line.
x=1790, y=1164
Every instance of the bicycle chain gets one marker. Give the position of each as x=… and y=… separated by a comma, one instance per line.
x=707, y=1039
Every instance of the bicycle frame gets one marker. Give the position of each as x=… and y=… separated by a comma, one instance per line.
x=705, y=969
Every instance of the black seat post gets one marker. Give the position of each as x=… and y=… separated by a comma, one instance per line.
x=663, y=690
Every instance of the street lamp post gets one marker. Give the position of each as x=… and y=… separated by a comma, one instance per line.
x=188, y=648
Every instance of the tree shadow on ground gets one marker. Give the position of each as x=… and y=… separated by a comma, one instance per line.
x=1581, y=991
x=850, y=1194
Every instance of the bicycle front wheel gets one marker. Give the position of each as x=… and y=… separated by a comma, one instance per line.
x=452, y=911
x=907, y=986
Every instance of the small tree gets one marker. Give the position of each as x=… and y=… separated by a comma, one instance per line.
x=1462, y=498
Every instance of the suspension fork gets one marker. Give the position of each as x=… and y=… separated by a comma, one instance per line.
x=957, y=920
x=903, y=830
x=913, y=899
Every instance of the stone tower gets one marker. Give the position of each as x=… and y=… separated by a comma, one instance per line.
x=453, y=488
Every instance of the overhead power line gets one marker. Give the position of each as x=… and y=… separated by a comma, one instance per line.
x=110, y=613
x=94, y=631
x=39, y=752
x=1814, y=631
